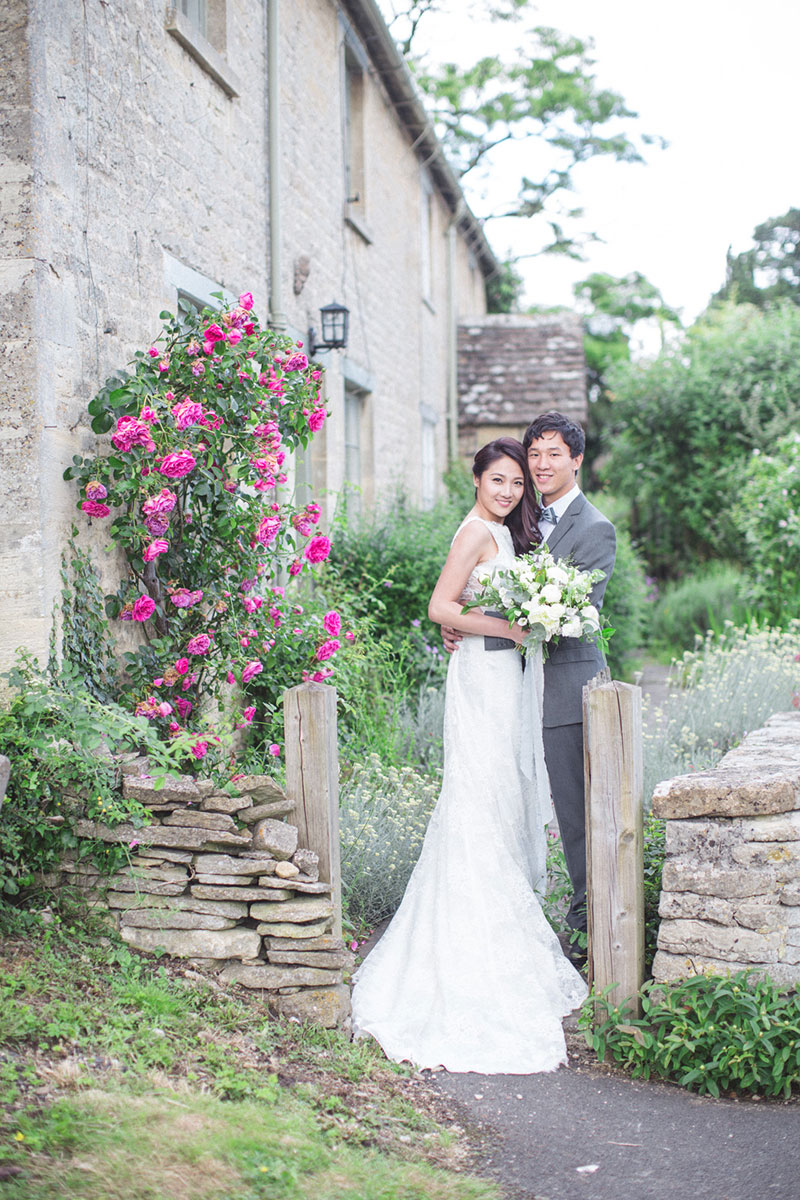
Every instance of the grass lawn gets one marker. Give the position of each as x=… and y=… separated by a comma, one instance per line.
x=126, y=1078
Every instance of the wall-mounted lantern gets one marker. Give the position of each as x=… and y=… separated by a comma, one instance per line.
x=334, y=319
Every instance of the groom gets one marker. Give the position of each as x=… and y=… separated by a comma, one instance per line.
x=573, y=529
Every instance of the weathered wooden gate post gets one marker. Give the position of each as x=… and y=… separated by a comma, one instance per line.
x=612, y=714
x=312, y=779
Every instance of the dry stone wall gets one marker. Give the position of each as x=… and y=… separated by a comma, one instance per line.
x=220, y=880
x=730, y=895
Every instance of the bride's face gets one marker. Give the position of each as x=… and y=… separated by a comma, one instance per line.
x=499, y=489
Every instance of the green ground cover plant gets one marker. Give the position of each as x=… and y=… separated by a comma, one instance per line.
x=706, y=599
x=122, y=1078
x=712, y=1034
x=731, y=683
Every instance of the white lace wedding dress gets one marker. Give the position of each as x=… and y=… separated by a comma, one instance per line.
x=469, y=975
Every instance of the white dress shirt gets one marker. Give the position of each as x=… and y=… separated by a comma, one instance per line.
x=559, y=507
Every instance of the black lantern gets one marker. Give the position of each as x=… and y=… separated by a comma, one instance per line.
x=334, y=319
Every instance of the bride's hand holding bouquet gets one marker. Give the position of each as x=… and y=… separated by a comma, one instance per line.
x=547, y=598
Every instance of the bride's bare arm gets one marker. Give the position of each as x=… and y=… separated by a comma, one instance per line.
x=473, y=545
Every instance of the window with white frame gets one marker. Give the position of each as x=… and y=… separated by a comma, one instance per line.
x=426, y=235
x=355, y=176
x=354, y=398
x=428, y=459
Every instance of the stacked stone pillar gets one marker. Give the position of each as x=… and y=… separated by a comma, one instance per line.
x=730, y=895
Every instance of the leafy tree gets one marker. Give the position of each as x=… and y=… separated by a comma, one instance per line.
x=768, y=516
x=685, y=425
x=545, y=96
x=503, y=290
x=614, y=306
x=770, y=270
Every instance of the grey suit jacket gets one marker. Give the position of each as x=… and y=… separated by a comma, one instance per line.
x=587, y=538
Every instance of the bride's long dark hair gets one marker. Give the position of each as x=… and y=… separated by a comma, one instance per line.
x=523, y=521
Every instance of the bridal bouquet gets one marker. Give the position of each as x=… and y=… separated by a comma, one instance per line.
x=548, y=596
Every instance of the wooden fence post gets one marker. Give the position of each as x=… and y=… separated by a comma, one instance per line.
x=312, y=779
x=612, y=714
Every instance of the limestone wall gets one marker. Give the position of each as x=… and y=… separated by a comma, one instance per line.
x=220, y=880
x=731, y=883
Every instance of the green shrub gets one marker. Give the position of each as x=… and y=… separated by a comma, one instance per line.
x=59, y=740
x=654, y=848
x=711, y=1034
x=710, y=596
x=626, y=606
x=730, y=684
x=769, y=517
x=389, y=565
x=682, y=428
x=383, y=816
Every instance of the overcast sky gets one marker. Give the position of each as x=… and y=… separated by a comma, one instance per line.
x=719, y=80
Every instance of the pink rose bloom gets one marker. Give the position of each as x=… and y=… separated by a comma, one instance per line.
x=316, y=419
x=351, y=637
x=213, y=333
x=184, y=707
x=146, y=708
x=95, y=491
x=148, y=415
x=212, y=420
x=332, y=622
x=234, y=336
x=251, y=669
x=164, y=709
x=193, y=348
x=143, y=609
x=268, y=530
x=164, y=502
x=274, y=750
x=157, y=525
x=198, y=368
x=186, y=413
x=297, y=362
x=314, y=511
x=200, y=749
x=327, y=650
x=230, y=677
x=153, y=352
x=249, y=713
x=178, y=464
x=317, y=549
x=163, y=365
x=93, y=509
x=296, y=567
x=174, y=729
x=246, y=301
x=155, y=548
x=130, y=433
x=182, y=666
x=158, y=682
x=199, y=645
x=252, y=603
x=183, y=598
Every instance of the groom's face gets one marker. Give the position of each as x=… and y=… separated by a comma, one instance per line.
x=552, y=468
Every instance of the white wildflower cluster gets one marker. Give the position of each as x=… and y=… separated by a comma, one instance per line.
x=724, y=688
x=383, y=816
x=549, y=597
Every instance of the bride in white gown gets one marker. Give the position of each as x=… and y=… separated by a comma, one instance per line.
x=469, y=975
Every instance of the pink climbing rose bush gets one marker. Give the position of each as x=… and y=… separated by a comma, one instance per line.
x=192, y=481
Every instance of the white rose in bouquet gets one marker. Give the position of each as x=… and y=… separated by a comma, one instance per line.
x=572, y=627
x=551, y=593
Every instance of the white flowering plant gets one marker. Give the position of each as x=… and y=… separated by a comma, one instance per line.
x=548, y=597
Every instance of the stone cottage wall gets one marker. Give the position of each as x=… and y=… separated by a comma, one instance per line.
x=220, y=880
x=730, y=895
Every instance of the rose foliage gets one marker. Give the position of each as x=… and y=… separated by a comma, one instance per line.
x=191, y=489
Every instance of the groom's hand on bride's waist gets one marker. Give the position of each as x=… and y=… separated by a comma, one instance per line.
x=451, y=637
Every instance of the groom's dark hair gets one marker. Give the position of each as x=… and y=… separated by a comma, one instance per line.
x=556, y=422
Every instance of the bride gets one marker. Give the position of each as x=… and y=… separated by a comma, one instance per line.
x=469, y=975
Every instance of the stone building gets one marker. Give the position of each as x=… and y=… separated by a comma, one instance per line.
x=513, y=367
x=152, y=153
